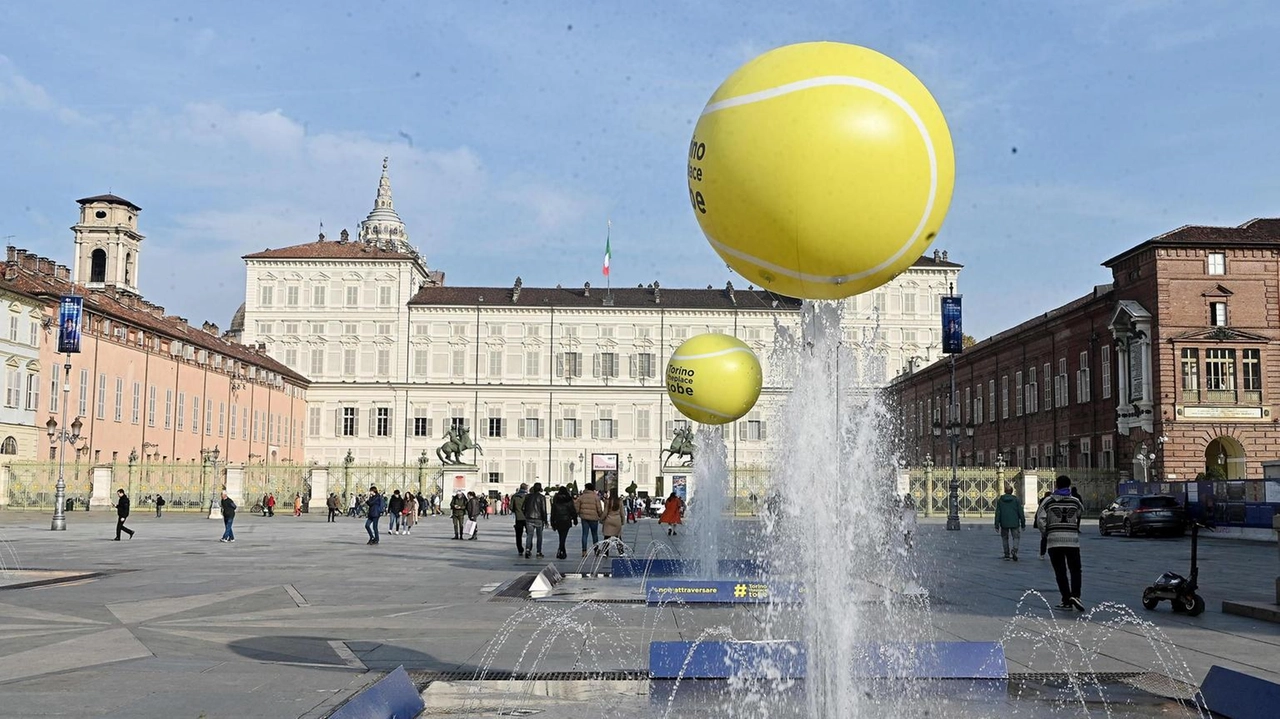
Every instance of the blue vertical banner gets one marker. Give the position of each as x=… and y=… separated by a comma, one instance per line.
x=952, y=328
x=70, y=312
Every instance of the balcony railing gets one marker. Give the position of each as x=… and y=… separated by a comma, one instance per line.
x=1191, y=396
x=1220, y=396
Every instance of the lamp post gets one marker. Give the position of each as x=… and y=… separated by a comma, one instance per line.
x=422, y=473
x=955, y=431
x=347, y=461
x=61, y=438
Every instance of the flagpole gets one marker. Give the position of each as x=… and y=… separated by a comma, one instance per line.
x=608, y=276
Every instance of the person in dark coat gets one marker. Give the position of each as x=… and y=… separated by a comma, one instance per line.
x=395, y=508
x=122, y=513
x=375, y=505
x=474, y=507
x=228, y=516
x=159, y=504
x=535, y=518
x=563, y=518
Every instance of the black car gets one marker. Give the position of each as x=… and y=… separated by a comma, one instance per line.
x=1136, y=514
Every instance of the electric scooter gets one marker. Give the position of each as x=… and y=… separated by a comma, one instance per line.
x=1180, y=590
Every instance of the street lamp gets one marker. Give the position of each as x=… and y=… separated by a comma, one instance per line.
x=955, y=431
x=210, y=457
x=60, y=438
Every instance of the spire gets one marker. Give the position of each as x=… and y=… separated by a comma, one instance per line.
x=383, y=227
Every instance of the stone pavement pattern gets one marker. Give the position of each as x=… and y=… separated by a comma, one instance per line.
x=298, y=613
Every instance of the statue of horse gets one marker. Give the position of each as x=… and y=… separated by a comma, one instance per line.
x=455, y=443
x=681, y=446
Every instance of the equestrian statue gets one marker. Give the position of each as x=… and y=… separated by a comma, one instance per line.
x=681, y=446
x=455, y=443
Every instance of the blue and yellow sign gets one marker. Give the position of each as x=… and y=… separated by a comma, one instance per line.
x=707, y=591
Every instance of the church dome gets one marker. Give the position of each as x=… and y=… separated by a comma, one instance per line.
x=237, y=321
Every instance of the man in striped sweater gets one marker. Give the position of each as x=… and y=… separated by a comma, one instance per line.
x=1059, y=520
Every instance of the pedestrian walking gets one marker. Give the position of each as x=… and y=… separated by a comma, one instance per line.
x=332, y=503
x=516, y=503
x=271, y=505
x=228, y=516
x=395, y=512
x=672, y=513
x=374, y=504
x=590, y=511
x=297, y=504
x=1059, y=519
x=410, y=511
x=1010, y=521
x=159, y=504
x=563, y=516
x=611, y=525
x=458, y=512
x=474, y=507
x=907, y=518
x=535, y=518
x=122, y=513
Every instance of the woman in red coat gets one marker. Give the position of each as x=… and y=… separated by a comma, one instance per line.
x=672, y=511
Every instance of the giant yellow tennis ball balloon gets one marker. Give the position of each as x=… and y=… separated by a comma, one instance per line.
x=714, y=378
x=821, y=170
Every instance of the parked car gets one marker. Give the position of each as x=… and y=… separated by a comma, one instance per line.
x=1136, y=514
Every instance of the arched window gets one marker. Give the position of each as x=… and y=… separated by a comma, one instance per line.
x=9, y=446
x=128, y=269
x=98, y=266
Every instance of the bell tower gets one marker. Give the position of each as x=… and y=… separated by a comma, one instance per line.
x=107, y=243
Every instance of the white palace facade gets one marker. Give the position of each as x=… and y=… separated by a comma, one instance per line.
x=545, y=378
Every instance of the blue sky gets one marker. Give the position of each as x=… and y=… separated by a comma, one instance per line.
x=516, y=129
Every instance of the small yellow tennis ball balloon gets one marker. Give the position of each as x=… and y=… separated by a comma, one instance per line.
x=821, y=170
x=714, y=378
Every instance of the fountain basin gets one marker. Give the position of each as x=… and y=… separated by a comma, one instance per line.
x=742, y=568
x=787, y=660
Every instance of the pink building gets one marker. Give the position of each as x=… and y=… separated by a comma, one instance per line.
x=146, y=384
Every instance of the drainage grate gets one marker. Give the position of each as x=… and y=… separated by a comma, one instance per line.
x=422, y=677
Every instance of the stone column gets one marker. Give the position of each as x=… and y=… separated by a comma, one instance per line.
x=1030, y=493
x=103, y=493
x=4, y=485
x=235, y=484
x=319, y=490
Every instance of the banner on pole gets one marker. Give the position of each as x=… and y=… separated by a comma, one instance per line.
x=70, y=312
x=952, y=328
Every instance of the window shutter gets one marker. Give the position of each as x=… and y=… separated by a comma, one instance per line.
x=595, y=429
x=742, y=430
x=337, y=423
x=559, y=429
x=669, y=428
x=429, y=433
x=559, y=369
x=520, y=428
x=764, y=430
x=595, y=364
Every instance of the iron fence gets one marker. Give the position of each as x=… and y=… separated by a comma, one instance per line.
x=283, y=481
x=32, y=485
x=186, y=487
x=1097, y=487
x=348, y=478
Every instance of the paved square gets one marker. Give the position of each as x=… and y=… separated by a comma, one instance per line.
x=298, y=613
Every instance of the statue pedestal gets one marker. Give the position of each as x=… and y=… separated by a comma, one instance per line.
x=452, y=477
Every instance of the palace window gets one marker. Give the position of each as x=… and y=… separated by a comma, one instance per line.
x=494, y=428
x=531, y=428
x=1218, y=314
x=1220, y=375
x=421, y=422
x=348, y=424
x=1217, y=263
x=532, y=363
x=1106, y=372
x=606, y=365
x=319, y=294
x=1017, y=393
x=1190, y=375
x=1083, y=389
x=382, y=422
x=1251, y=376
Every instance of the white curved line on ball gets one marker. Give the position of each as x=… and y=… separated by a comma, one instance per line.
x=708, y=355
x=700, y=408
x=828, y=81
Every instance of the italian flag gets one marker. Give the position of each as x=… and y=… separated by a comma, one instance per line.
x=606, y=249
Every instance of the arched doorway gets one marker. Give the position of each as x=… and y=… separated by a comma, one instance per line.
x=98, y=265
x=1224, y=458
x=9, y=446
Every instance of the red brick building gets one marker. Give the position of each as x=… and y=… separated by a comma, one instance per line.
x=1169, y=371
